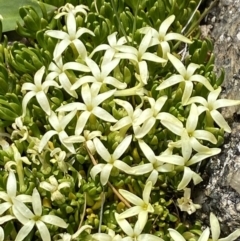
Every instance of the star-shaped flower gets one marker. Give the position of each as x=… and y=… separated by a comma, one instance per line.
x=59, y=123
x=143, y=206
x=39, y=90
x=92, y=99
x=212, y=104
x=29, y=219
x=111, y=159
x=100, y=76
x=161, y=37
x=185, y=75
x=58, y=69
x=70, y=37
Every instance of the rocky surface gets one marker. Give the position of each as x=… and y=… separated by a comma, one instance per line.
x=221, y=193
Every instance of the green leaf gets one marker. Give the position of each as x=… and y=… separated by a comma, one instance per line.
x=9, y=11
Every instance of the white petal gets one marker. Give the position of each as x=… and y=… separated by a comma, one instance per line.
x=23, y=209
x=105, y=173
x=145, y=43
x=43, y=102
x=43, y=230
x=153, y=58
x=72, y=106
x=187, y=92
x=11, y=185
x=59, y=49
x=103, y=114
x=187, y=176
x=56, y=34
x=203, y=80
x=215, y=227
x=173, y=126
x=125, y=121
x=114, y=82
x=122, y=166
x=177, y=36
x=102, y=150
x=165, y=25
x=101, y=97
x=93, y=67
x=24, y=231
x=67, y=118
x=234, y=235
x=205, y=135
x=24, y=198
x=146, y=127
x=205, y=235
x=218, y=118
x=54, y=220
x=124, y=224
x=122, y=147
x=45, y=139
x=26, y=99
x=36, y=202
x=147, y=151
x=192, y=119
x=81, y=122
x=101, y=236
x=174, y=79
x=172, y=159
x=132, y=198
x=147, y=191
x=175, y=235
x=143, y=237
x=177, y=64
x=153, y=177
x=5, y=219
x=96, y=169
x=66, y=84
x=71, y=24
x=142, y=169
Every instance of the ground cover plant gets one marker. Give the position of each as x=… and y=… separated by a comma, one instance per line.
x=107, y=110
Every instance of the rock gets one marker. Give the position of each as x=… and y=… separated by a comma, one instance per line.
x=220, y=193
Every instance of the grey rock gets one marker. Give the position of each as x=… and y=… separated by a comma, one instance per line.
x=220, y=193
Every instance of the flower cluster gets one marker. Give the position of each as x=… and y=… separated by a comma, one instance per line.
x=106, y=132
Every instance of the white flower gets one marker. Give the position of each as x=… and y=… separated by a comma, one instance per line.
x=39, y=90
x=71, y=37
x=151, y=115
x=59, y=70
x=176, y=236
x=189, y=134
x=138, y=56
x=59, y=124
x=11, y=194
x=161, y=36
x=185, y=75
x=133, y=118
x=143, y=206
x=64, y=10
x=215, y=230
x=29, y=219
x=111, y=48
x=111, y=159
x=212, y=104
x=134, y=234
x=100, y=76
x=59, y=158
x=92, y=100
x=157, y=163
x=186, y=204
x=54, y=188
x=87, y=138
